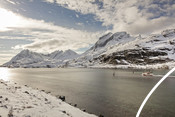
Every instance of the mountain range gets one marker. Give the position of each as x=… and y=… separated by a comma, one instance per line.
x=113, y=49
x=28, y=59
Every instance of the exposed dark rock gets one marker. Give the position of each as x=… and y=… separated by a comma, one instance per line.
x=103, y=41
x=26, y=92
x=48, y=66
x=137, y=45
x=156, y=40
x=135, y=56
x=84, y=110
x=29, y=107
x=10, y=115
x=48, y=92
x=172, y=42
x=101, y=115
x=46, y=99
x=6, y=99
x=27, y=116
x=168, y=49
x=5, y=106
x=64, y=112
x=75, y=105
x=169, y=32
x=63, y=98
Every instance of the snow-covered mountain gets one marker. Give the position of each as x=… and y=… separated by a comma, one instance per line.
x=122, y=49
x=64, y=55
x=111, y=49
x=25, y=57
x=157, y=48
x=103, y=45
x=28, y=58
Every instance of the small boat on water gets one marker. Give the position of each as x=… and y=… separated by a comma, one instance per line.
x=147, y=74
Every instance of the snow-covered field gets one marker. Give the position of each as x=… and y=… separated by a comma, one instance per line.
x=23, y=101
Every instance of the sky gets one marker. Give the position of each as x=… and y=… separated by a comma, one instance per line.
x=49, y=25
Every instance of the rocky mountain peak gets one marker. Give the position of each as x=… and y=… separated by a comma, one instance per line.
x=168, y=32
x=110, y=39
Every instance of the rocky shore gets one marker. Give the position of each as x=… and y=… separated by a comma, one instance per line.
x=23, y=101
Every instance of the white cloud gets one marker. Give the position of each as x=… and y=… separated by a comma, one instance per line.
x=53, y=45
x=80, y=24
x=10, y=1
x=6, y=20
x=47, y=36
x=133, y=16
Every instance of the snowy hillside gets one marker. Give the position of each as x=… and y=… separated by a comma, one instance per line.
x=122, y=49
x=158, y=48
x=101, y=46
x=23, y=101
x=66, y=55
x=107, y=41
x=27, y=59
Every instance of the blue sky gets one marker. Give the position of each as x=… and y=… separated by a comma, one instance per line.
x=52, y=12
x=49, y=25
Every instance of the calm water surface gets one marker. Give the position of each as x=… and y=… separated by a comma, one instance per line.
x=97, y=91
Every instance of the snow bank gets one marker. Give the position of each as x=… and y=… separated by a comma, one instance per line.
x=23, y=101
x=168, y=65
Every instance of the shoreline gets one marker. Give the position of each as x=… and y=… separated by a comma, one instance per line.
x=168, y=65
x=23, y=101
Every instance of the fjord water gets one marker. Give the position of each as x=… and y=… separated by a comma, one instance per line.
x=99, y=92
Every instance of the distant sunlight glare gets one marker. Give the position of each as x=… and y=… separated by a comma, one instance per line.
x=4, y=74
x=8, y=20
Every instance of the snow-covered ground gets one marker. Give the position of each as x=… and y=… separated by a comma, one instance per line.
x=23, y=101
x=168, y=65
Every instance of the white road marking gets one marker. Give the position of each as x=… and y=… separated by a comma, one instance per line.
x=152, y=90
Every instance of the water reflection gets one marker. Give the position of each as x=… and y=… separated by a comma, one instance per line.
x=4, y=74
